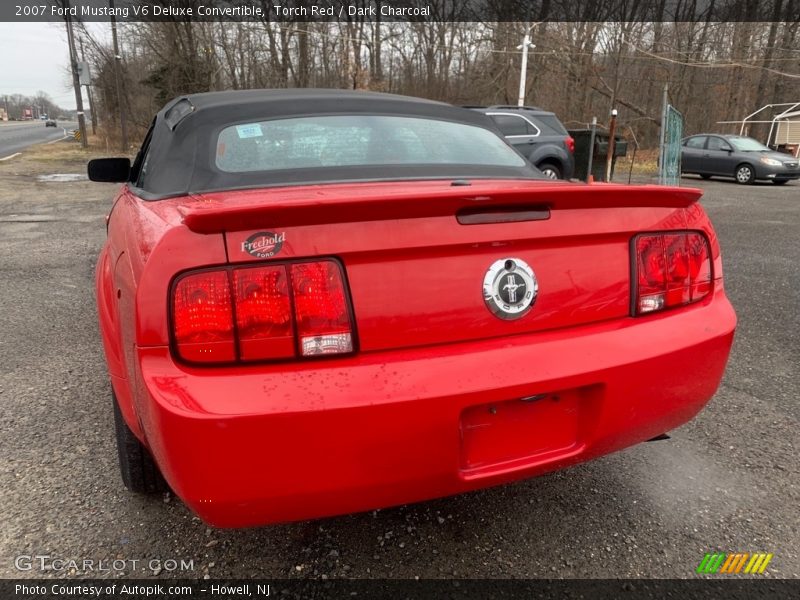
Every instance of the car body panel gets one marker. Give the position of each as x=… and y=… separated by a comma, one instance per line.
x=388, y=428
x=718, y=155
x=366, y=419
x=440, y=396
x=692, y=155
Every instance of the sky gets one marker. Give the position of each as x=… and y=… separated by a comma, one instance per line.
x=35, y=57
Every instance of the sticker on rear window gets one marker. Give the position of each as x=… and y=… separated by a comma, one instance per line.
x=249, y=131
x=264, y=244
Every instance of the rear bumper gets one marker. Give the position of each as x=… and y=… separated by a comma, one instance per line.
x=257, y=445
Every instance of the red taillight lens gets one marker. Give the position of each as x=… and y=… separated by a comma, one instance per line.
x=321, y=309
x=263, y=313
x=677, y=270
x=273, y=312
x=672, y=269
x=570, y=144
x=651, y=276
x=699, y=266
x=203, y=317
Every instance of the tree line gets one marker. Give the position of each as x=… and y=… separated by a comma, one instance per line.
x=39, y=104
x=713, y=71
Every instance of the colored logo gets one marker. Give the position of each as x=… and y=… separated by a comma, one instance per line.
x=739, y=562
x=264, y=244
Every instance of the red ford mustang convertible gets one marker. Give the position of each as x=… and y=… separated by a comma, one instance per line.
x=316, y=302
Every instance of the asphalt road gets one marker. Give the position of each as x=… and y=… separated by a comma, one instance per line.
x=15, y=137
x=727, y=481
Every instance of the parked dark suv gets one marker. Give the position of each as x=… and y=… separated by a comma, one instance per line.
x=538, y=135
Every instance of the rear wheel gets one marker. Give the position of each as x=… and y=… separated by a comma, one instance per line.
x=550, y=170
x=139, y=471
x=745, y=174
x=779, y=181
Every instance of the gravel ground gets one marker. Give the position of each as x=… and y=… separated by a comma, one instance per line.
x=727, y=481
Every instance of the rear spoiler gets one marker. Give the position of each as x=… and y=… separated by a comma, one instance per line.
x=253, y=209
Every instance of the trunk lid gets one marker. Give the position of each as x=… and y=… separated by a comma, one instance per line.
x=417, y=254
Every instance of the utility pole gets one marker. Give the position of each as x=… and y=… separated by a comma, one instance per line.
x=89, y=92
x=589, y=176
x=526, y=43
x=75, y=79
x=610, y=154
x=123, y=125
x=662, y=172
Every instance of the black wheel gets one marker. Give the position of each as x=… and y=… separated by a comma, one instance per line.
x=780, y=181
x=745, y=174
x=139, y=471
x=550, y=170
x=704, y=176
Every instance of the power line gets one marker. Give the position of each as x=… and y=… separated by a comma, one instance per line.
x=712, y=65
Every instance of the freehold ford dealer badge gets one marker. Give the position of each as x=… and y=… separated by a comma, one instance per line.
x=264, y=244
x=510, y=288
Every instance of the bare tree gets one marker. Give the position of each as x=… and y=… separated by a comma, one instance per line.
x=715, y=70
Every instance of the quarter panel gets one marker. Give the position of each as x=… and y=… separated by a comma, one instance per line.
x=548, y=150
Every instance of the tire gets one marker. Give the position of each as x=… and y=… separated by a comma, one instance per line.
x=139, y=471
x=744, y=174
x=550, y=170
x=780, y=181
x=704, y=176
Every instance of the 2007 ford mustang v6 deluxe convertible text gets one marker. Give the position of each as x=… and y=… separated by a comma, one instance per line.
x=316, y=302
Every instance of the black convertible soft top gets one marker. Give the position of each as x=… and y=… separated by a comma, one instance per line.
x=178, y=156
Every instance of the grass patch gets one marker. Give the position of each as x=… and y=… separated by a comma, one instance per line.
x=646, y=163
x=61, y=152
x=70, y=151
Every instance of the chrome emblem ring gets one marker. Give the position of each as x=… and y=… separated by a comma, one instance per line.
x=510, y=288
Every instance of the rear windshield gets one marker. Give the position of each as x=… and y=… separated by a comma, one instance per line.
x=358, y=140
x=550, y=124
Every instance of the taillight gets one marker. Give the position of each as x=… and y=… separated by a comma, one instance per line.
x=272, y=312
x=263, y=313
x=570, y=144
x=202, y=316
x=671, y=269
x=320, y=303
